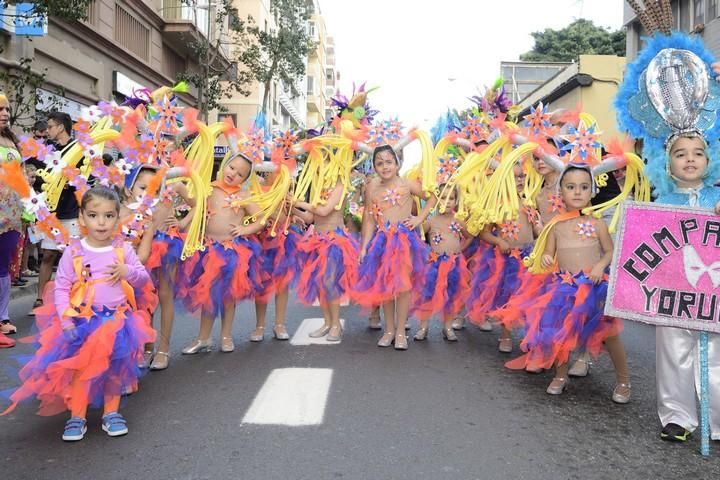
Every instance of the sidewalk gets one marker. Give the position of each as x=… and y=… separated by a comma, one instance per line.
x=30, y=288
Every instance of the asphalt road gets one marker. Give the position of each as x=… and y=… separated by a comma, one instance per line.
x=437, y=411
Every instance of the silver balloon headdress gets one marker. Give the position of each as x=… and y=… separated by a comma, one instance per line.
x=669, y=91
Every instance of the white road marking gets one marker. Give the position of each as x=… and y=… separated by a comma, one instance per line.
x=308, y=325
x=291, y=396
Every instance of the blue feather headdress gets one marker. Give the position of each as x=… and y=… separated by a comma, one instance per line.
x=667, y=93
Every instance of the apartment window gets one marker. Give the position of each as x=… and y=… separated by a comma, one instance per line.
x=131, y=33
x=712, y=10
x=329, y=75
x=311, y=29
x=699, y=12
x=310, y=85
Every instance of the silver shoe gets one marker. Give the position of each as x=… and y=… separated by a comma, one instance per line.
x=161, y=361
x=148, y=356
x=257, y=337
x=449, y=335
x=334, y=338
x=386, y=340
x=458, y=323
x=198, y=346
x=280, y=333
x=621, y=393
x=227, y=345
x=505, y=345
x=580, y=368
x=320, y=332
x=486, y=326
x=421, y=334
x=557, y=386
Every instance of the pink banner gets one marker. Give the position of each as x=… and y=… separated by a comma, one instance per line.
x=666, y=267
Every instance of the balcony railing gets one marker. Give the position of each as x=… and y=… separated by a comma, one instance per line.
x=195, y=11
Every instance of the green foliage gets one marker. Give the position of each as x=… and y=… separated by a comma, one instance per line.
x=66, y=9
x=216, y=80
x=582, y=37
x=279, y=53
x=20, y=85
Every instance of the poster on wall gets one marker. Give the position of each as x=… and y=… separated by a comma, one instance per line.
x=666, y=267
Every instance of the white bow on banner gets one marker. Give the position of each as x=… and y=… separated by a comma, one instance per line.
x=696, y=268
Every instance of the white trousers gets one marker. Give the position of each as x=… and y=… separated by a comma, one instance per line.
x=677, y=354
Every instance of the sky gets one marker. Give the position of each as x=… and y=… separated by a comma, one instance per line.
x=427, y=55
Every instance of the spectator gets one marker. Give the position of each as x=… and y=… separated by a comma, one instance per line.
x=31, y=166
x=10, y=222
x=40, y=130
x=59, y=126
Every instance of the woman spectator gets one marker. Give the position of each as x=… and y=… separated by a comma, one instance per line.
x=10, y=222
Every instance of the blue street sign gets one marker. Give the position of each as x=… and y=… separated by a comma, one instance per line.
x=221, y=150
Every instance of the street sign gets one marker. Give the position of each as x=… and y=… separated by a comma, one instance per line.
x=221, y=150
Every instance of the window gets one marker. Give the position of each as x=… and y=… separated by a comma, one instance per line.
x=329, y=75
x=311, y=29
x=310, y=85
x=712, y=10
x=131, y=33
x=699, y=12
x=223, y=116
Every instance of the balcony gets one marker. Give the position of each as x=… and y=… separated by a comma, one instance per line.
x=189, y=22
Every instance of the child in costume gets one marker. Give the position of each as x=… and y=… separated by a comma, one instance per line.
x=679, y=126
x=329, y=269
x=228, y=270
x=498, y=273
x=447, y=278
x=569, y=315
x=281, y=266
x=281, y=257
x=163, y=263
x=392, y=256
x=91, y=337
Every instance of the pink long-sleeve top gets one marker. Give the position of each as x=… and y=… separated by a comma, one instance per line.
x=95, y=262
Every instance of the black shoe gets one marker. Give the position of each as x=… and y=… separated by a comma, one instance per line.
x=672, y=432
x=19, y=282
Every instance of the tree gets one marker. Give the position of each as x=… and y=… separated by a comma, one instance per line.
x=21, y=85
x=66, y=9
x=279, y=52
x=582, y=37
x=216, y=79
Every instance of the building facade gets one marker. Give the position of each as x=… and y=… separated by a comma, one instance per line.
x=521, y=78
x=696, y=16
x=301, y=105
x=592, y=82
x=124, y=45
x=316, y=73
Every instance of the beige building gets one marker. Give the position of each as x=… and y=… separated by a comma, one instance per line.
x=592, y=83
x=332, y=76
x=123, y=45
x=283, y=110
x=316, y=74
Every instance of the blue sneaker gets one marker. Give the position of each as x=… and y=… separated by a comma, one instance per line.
x=75, y=429
x=114, y=424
